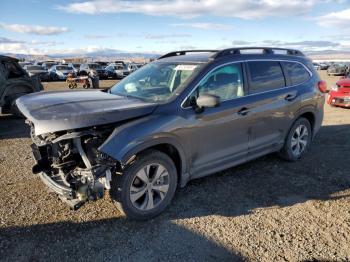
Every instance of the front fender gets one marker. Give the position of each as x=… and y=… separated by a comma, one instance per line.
x=133, y=137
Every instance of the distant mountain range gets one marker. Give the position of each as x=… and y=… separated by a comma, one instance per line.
x=329, y=55
x=112, y=55
x=103, y=55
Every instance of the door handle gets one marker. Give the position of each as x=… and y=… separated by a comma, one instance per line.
x=243, y=111
x=290, y=97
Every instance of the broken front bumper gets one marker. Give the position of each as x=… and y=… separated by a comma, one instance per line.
x=66, y=194
x=59, y=189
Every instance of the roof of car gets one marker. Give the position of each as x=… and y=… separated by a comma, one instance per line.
x=204, y=56
x=4, y=58
x=195, y=57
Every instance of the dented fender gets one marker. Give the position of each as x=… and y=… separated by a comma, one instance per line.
x=133, y=137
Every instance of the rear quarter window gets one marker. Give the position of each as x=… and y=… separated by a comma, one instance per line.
x=265, y=76
x=296, y=72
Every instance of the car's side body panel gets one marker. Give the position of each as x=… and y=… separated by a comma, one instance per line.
x=218, y=138
x=88, y=136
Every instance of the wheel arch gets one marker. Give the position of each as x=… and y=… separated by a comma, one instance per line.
x=310, y=117
x=173, y=153
x=164, y=143
x=309, y=113
x=16, y=89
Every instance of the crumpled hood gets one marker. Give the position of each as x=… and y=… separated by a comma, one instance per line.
x=65, y=110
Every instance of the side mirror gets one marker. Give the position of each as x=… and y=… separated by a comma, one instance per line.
x=207, y=100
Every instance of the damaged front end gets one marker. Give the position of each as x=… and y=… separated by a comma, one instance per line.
x=71, y=165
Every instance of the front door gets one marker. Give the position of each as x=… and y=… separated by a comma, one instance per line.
x=218, y=137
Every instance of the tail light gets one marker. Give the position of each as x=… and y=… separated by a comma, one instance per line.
x=322, y=86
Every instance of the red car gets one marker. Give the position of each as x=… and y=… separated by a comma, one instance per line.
x=339, y=95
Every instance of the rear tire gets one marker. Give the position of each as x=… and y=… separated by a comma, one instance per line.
x=298, y=140
x=146, y=187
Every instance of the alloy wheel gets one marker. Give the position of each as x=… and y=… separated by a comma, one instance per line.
x=299, y=140
x=149, y=187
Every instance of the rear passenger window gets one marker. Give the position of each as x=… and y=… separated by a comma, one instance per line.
x=297, y=73
x=265, y=76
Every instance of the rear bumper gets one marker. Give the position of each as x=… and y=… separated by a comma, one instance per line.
x=319, y=115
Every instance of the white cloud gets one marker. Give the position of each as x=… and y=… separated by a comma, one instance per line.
x=339, y=19
x=4, y=40
x=305, y=45
x=166, y=36
x=97, y=36
x=30, y=47
x=204, y=26
x=34, y=29
x=246, y=9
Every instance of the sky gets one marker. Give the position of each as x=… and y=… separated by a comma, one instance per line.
x=74, y=27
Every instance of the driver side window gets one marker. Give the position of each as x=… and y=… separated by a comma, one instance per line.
x=225, y=82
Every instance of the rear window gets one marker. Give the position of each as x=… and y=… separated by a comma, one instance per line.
x=63, y=67
x=296, y=72
x=34, y=68
x=95, y=66
x=265, y=76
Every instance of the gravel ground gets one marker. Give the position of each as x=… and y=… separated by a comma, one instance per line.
x=265, y=210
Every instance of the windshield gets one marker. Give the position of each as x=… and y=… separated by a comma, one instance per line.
x=34, y=68
x=63, y=68
x=155, y=82
x=118, y=67
x=49, y=64
x=95, y=66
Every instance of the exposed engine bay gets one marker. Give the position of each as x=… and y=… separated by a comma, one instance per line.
x=71, y=165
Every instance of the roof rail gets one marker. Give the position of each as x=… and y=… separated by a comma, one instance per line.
x=184, y=52
x=265, y=50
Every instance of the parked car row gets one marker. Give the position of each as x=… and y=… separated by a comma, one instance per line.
x=54, y=71
x=340, y=69
x=321, y=66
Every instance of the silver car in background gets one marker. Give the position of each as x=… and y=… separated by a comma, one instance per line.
x=338, y=69
x=37, y=70
x=60, y=72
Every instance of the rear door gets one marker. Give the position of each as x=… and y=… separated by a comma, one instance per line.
x=270, y=107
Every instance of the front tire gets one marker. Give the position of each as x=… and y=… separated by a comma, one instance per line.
x=146, y=187
x=298, y=140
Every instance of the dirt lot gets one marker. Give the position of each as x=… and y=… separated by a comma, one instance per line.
x=265, y=210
